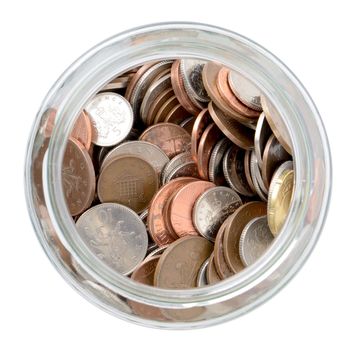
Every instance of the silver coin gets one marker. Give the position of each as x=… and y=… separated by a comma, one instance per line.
x=179, y=159
x=247, y=157
x=212, y=208
x=215, y=165
x=143, y=84
x=262, y=134
x=143, y=215
x=186, y=121
x=111, y=118
x=102, y=154
x=146, y=150
x=191, y=73
x=255, y=239
x=152, y=246
x=201, y=279
x=186, y=169
x=256, y=178
x=156, y=88
x=157, y=251
x=245, y=90
x=115, y=234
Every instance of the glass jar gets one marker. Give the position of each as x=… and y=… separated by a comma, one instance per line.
x=118, y=294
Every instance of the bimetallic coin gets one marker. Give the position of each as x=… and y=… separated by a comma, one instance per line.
x=78, y=177
x=254, y=240
x=262, y=134
x=212, y=208
x=215, y=166
x=280, y=194
x=201, y=276
x=111, y=118
x=128, y=180
x=178, y=160
x=211, y=273
x=179, y=265
x=115, y=234
x=186, y=169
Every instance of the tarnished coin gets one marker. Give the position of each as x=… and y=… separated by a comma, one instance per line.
x=280, y=194
x=262, y=134
x=201, y=276
x=212, y=208
x=274, y=155
x=146, y=150
x=171, y=138
x=191, y=72
x=78, y=177
x=188, y=124
x=156, y=224
x=182, y=205
x=179, y=265
x=215, y=166
x=186, y=169
x=234, y=229
x=235, y=131
x=158, y=102
x=128, y=180
x=82, y=130
x=115, y=234
x=245, y=90
x=254, y=240
x=211, y=273
x=255, y=172
x=111, y=118
x=178, y=160
x=201, y=122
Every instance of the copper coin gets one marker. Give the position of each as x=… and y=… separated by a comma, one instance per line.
x=238, y=133
x=188, y=124
x=229, y=97
x=157, y=103
x=234, y=229
x=180, y=263
x=274, y=155
x=82, y=130
x=129, y=180
x=211, y=273
x=209, y=138
x=179, y=89
x=78, y=177
x=144, y=273
x=182, y=205
x=201, y=122
x=171, y=138
x=221, y=265
x=176, y=115
x=164, y=110
x=185, y=169
x=247, y=170
x=155, y=222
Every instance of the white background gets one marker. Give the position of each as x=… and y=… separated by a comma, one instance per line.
x=39, y=39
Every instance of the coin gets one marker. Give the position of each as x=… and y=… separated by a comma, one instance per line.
x=201, y=122
x=182, y=205
x=256, y=178
x=188, y=124
x=111, y=118
x=165, y=109
x=120, y=82
x=245, y=90
x=82, y=130
x=178, y=160
x=212, y=208
x=280, y=194
x=255, y=239
x=235, y=131
x=171, y=138
x=191, y=72
x=274, y=155
x=234, y=229
x=209, y=138
x=78, y=177
x=211, y=273
x=186, y=169
x=262, y=134
x=201, y=276
x=115, y=234
x=247, y=170
x=128, y=180
x=156, y=225
x=176, y=115
x=179, y=265
x=146, y=150
x=215, y=165
x=155, y=105
x=157, y=252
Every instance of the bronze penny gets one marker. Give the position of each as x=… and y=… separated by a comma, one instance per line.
x=247, y=170
x=211, y=273
x=201, y=122
x=82, y=130
x=171, y=138
x=157, y=103
x=229, y=97
x=238, y=133
x=221, y=265
x=274, y=155
x=164, y=110
x=176, y=115
x=129, y=180
x=182, y=204
x=155, y=222
x=78, y=177
x=209, y=138
x=239, y=219
x=180, y=263
x=188, y=124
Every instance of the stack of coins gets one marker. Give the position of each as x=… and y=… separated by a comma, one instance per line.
x=178, y=173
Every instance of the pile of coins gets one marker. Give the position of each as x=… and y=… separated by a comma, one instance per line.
x=178, y=173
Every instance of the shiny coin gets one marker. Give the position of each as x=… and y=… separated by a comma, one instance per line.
x=262, y=134
x=238, y=221
x=78, y=177
x=254, y=240
x=256, y=178
x=176, y=115
x=111, y=118
x=115, y=234
x=201, y=276
x=82, y=130
x=211, y=273
x=155, y=105
x=179, y=265
x=212, y=208
x=165, y=109
x=178, y=160
x=128, y=180
x=201, y=122
x=280, y=194
x=215, y=165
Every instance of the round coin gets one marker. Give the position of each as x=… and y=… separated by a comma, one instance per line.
x=176, y=115
x=156, y=104
x=201, y=122
x=188, y=124
x=186, y=169
x=115, y=234
x=215, y=165
x=82, y=130
x=256, y=178
x=201, y=276
x=178, y=160
x=211, y=273
x=262, y=134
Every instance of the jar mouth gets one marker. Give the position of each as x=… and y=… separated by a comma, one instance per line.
x=170, y=40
